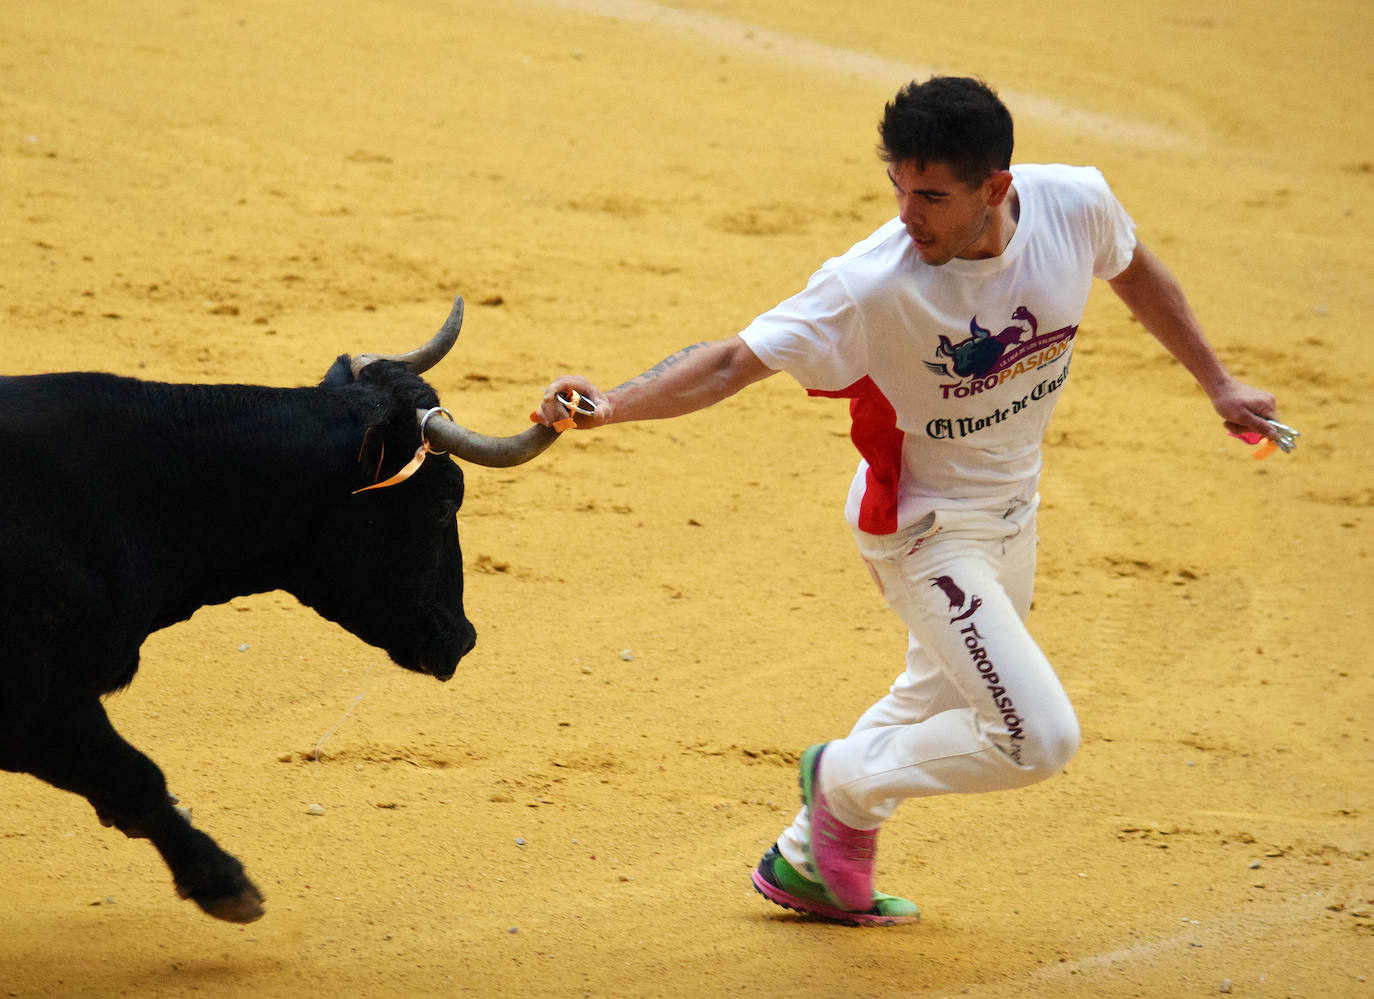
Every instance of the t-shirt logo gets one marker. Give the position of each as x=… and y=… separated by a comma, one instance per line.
x=979, y=353
x=986, y=360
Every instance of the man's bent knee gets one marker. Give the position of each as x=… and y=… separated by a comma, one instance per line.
x=1047, y=749
x=1038, y=752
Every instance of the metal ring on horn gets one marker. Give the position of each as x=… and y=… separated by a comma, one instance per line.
x=425, y=419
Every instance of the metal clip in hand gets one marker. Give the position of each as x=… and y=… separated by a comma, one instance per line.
x=1287, y=438
x=574, y=402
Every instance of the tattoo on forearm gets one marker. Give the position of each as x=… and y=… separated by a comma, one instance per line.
x=660, y=369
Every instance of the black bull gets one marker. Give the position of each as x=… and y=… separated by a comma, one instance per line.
x=127, y=505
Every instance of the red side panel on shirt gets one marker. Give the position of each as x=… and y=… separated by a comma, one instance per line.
x=874, y=432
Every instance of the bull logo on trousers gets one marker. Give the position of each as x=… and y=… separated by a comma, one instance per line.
x=956, y=596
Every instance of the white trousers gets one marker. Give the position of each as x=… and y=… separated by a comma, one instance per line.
x=978, y=708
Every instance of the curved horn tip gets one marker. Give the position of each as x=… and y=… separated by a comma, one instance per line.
x=455, y=315
x=492, y=452
x=422, y=358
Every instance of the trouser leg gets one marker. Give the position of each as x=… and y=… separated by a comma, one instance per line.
x=978, y=707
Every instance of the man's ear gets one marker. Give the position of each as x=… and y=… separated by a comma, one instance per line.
x=998, y=186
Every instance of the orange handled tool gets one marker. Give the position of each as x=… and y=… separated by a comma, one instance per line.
x=574, y=402
x=1285, y=439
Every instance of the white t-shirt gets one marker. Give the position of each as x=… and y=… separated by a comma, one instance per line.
x=951, y=371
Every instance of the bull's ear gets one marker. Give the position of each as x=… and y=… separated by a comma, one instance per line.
x=340, y=372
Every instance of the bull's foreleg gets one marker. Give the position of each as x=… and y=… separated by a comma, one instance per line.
x=73, y=746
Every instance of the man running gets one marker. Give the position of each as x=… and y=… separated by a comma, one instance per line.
x=949, y=330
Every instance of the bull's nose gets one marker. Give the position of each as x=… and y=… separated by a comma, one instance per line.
x=467, y=642
x=464, y=643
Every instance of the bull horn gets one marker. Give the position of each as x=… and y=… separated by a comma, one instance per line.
x=421, y=359
x=493, y=452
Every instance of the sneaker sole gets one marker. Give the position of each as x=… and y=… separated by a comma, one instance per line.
x=807, y=907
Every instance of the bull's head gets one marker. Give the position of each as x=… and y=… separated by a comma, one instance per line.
x=444, y=435
x=388, y=563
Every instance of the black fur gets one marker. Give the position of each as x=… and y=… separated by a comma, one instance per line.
x=128, y=505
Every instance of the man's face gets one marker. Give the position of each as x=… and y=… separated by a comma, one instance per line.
x=944, y=217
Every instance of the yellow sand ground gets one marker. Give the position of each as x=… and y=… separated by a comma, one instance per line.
x=670, y=613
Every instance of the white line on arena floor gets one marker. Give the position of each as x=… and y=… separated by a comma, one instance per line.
x=763, y=41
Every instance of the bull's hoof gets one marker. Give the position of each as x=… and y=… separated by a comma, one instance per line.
x=226, y=894
x=244, y=907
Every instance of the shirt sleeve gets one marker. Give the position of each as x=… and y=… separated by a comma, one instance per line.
x=1113, y=231
x=816, y=336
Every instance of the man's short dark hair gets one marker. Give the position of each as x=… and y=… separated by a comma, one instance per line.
x=955, y=120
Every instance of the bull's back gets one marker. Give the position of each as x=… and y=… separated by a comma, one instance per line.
x=136, y=502
x=68, y=443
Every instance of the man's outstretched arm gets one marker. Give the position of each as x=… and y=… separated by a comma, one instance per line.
x=1156, y=298
x=693, y=378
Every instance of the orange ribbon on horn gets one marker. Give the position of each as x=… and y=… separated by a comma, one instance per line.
x=421, y=453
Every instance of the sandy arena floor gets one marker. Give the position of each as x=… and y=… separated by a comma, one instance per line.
x=670, y=613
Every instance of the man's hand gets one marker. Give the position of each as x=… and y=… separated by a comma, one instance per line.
x=1244, y=408
x=552, y=412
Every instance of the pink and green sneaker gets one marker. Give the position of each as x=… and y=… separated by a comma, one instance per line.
x=841, y=855
x=779, y=882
